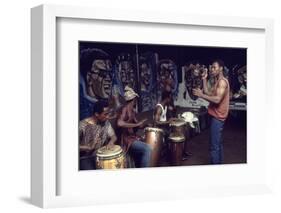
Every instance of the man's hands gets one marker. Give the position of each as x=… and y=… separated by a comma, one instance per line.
x=172, y=120
x=86, y=148
x=110, y=145
x=198, y=93
x=141, y=123
x=205, y=74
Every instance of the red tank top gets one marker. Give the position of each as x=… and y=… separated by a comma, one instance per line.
x=220, y=111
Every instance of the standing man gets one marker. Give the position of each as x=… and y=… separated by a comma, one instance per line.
x=128, y=123
x=95, y=132
x=218, y=109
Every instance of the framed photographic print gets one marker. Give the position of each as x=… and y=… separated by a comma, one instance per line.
x=129, y=106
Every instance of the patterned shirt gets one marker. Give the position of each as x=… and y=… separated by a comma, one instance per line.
x=93, y=134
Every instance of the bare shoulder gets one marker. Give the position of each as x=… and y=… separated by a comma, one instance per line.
x=223, y=83
x=158, y=109
x=123, y=113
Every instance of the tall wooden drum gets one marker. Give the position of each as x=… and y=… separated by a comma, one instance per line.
x=178, y=127
x=113, y=158
x=154, y=137
x=176, y=148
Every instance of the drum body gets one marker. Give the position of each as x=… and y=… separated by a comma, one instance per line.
x=113, y=158
x=176, y=148
x=178, y=128
x=154, y=137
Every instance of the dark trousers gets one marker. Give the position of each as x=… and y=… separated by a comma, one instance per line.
x=87, y=162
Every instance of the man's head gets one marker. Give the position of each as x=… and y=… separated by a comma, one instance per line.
x=217, y=67
x=130, y=94
x=101, y=110
x=166, y=97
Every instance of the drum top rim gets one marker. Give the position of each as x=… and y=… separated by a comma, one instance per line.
x=176, y=139
x=178, y=122
x=154, y=129
x=103, y=152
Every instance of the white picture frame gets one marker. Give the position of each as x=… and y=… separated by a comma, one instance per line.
x=44, y=154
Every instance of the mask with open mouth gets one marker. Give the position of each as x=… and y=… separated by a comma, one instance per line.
x=100, y=78
x=98, y=68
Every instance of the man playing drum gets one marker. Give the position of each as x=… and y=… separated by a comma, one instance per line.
x=95, y=132
x=160, y=114
x=127, y=122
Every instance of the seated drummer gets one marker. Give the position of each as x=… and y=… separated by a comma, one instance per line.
x=160, y=113
x=127, y=122
x=95, y=132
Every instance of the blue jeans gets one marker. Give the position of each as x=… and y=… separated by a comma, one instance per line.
x=141, y=153
x=216, y=147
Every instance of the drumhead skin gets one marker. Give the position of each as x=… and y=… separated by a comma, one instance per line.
x=176, y=139
x=178, y=122
x=103, y=152
x=153, y=129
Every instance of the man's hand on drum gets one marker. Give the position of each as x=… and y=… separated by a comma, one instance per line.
x=172, y=120
x=205, y=74
x=141, y=123
x=110, y=145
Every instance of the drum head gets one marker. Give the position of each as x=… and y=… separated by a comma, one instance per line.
x=153, y=129
x=178, y=122
x=176, y=139
x=106, y=153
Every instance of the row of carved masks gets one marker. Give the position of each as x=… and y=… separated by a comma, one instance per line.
x=99, y=70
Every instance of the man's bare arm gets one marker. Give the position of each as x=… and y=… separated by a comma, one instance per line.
x=205, y=87
x=157, y=117
x=124, y=124
x=220, y=91
x=85, y=148
x=112, y=141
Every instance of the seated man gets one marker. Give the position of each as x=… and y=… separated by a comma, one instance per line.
x=127, y=122
x=160, y=114
x=95, y=132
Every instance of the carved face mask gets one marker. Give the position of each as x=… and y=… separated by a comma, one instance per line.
x=99, y=79
x=193, y=78
x=145, y=74
x=125, y=71
x=242, y=76
x=166, y=75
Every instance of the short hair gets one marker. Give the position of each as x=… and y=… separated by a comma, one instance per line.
x=100, y=105
x=165, y=94
x=220, y=62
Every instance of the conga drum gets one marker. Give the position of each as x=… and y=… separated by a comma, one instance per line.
x=176, y=148
x=154, y=137
x=112, y=158
x=178, y=127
